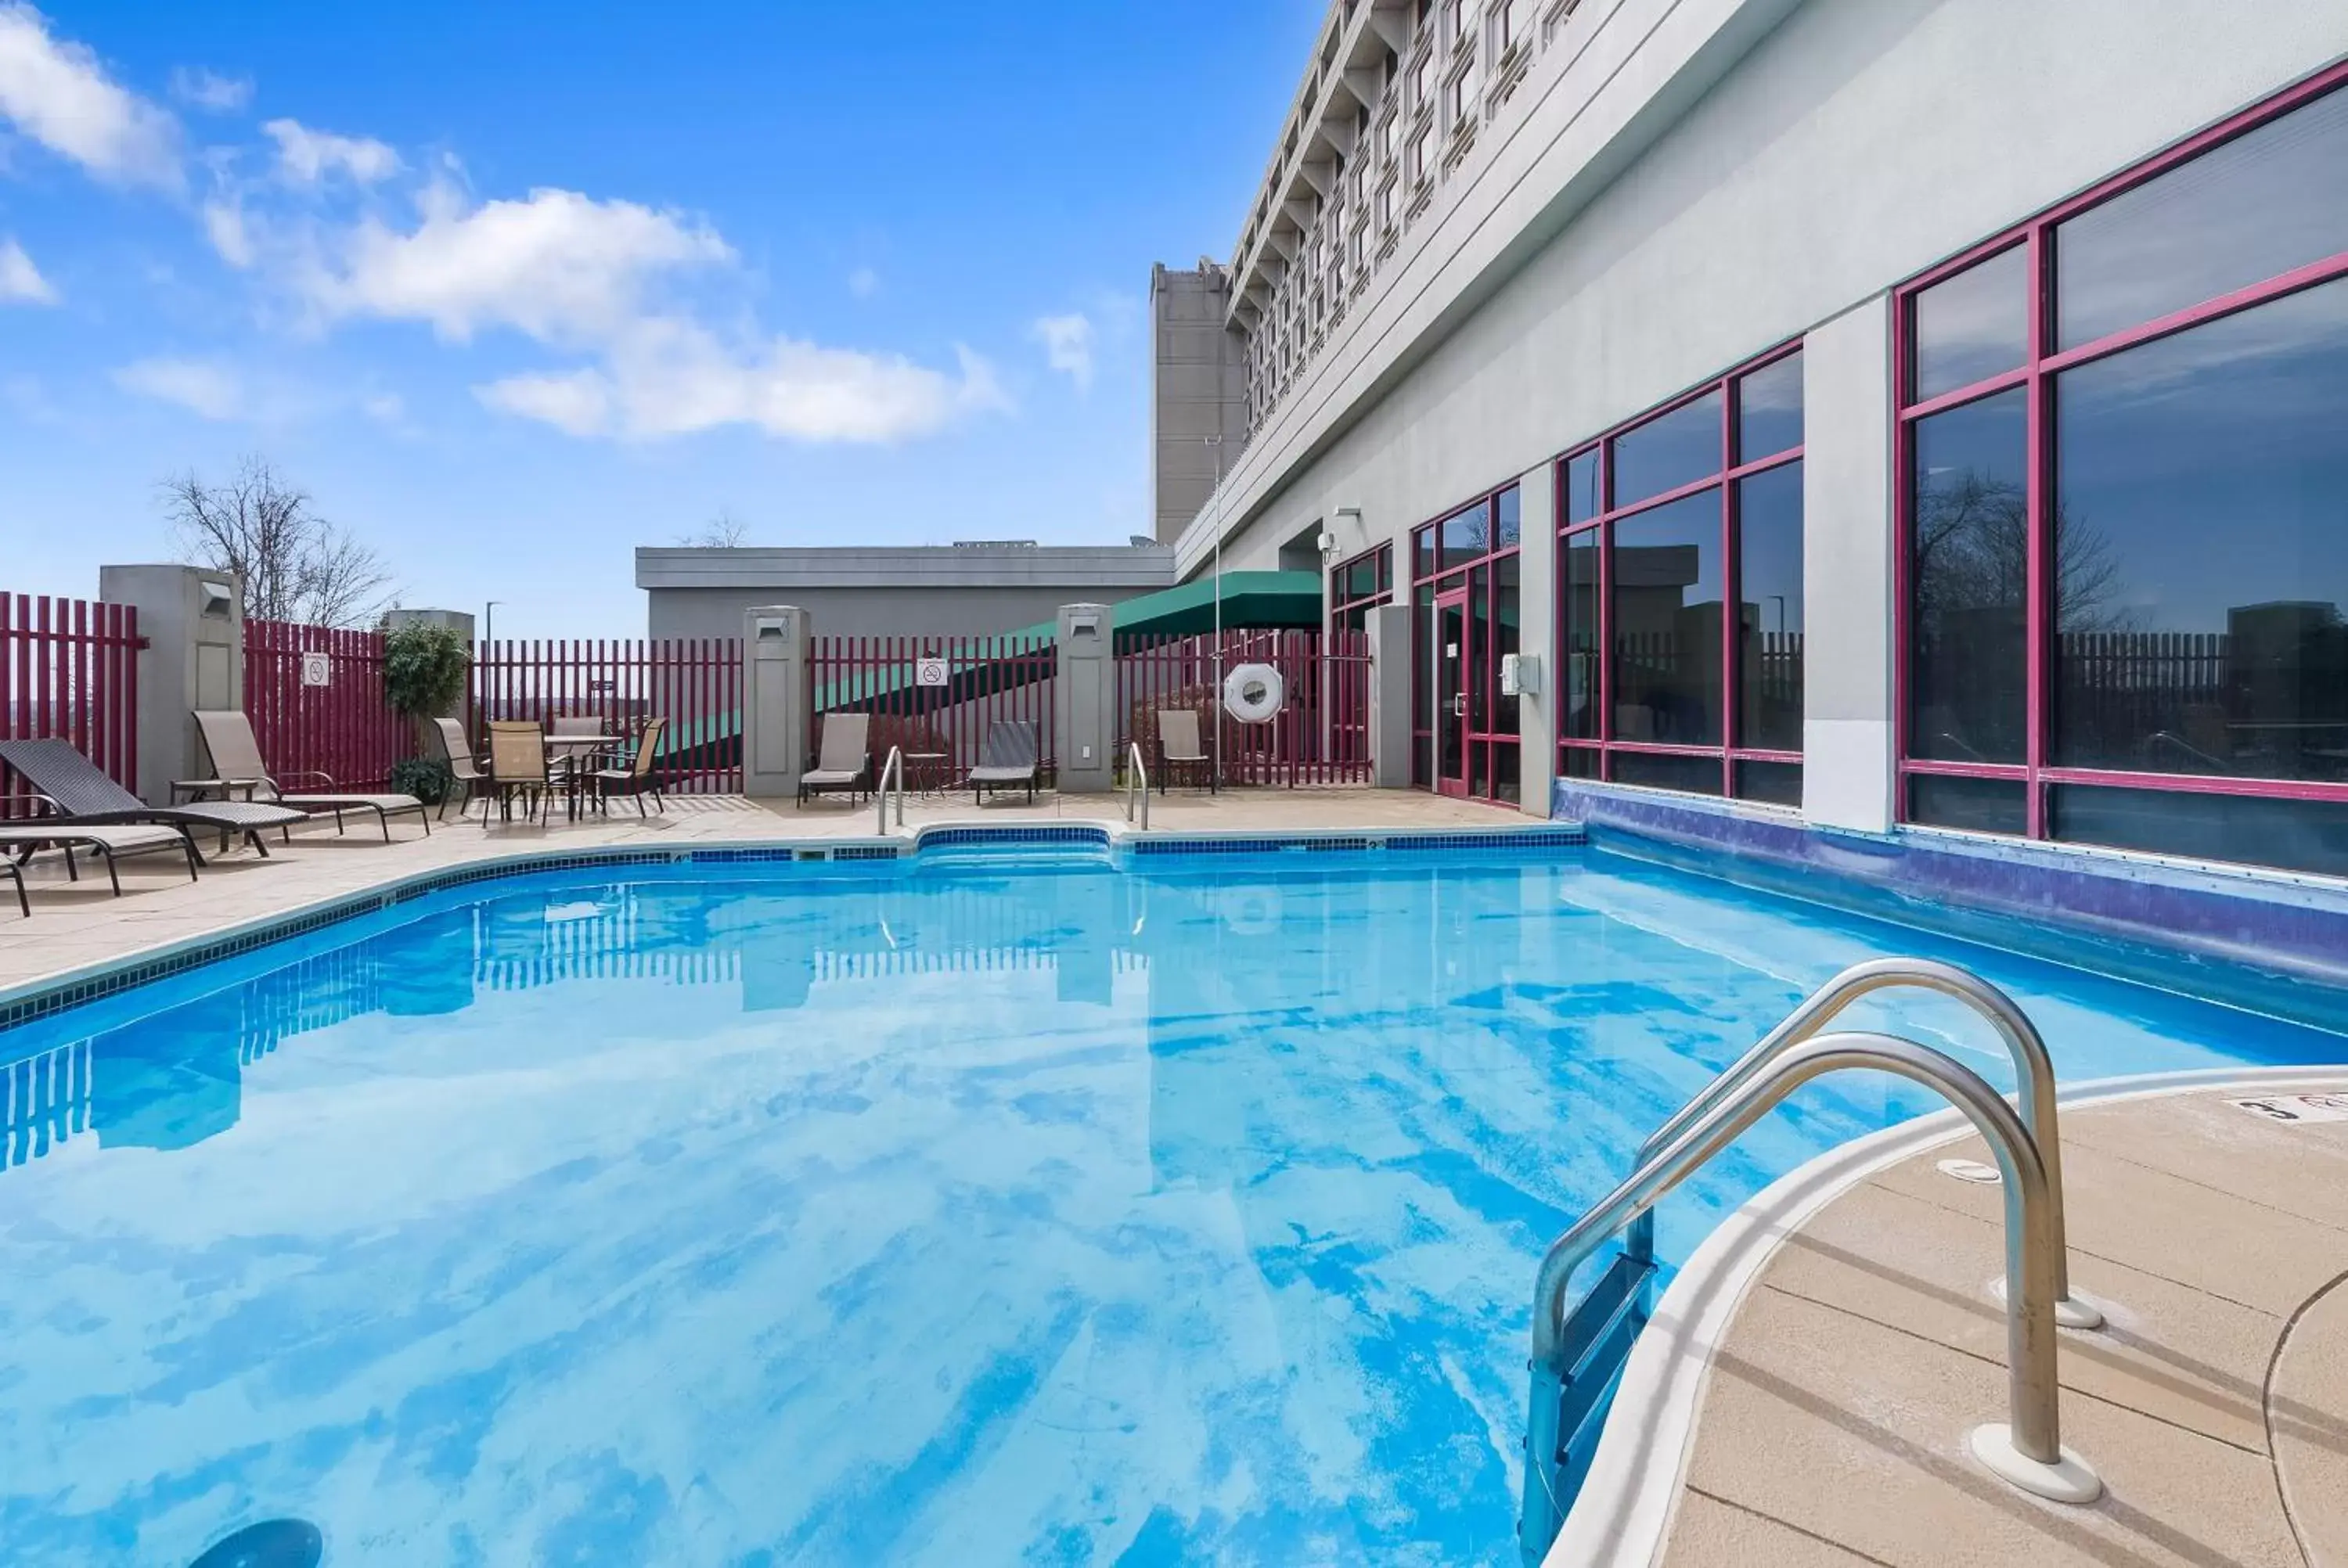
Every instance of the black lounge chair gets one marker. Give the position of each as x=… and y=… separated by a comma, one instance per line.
x=1008, y=761
x=24, y=905
x=79, y=792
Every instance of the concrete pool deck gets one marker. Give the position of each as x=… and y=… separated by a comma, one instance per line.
x=75, y=925
x=1833, y=1410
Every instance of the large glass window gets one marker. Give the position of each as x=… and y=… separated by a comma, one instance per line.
x=1358, y=586
x=1680, y=620
x=2176, y=511
x=1968, y=563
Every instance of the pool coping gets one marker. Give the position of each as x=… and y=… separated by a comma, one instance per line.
x=45, y=996
x=1624, y=1511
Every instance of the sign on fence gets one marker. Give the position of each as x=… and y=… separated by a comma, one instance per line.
x=317, y=669
x=930, y=673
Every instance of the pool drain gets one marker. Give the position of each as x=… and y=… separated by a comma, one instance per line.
x=271, y=1543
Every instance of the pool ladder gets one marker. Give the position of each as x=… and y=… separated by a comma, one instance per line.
x=894, y=768
x=1577, y=1351
x=1136, y=776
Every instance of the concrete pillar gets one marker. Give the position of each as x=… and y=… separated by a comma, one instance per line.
x=1846, y=579
x=1084, y=700
x=1537, y=638
x=193, y=621
x=777, y=697
x=1388, y=626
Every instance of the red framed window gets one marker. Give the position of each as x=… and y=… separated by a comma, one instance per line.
x=1467, y=587
x=2122, y=498
x=1679, y=592
x=1358, y=585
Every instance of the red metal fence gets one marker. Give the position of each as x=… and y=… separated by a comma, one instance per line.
x=971, y=683
x=1321, y=734
x=343, y=729
x=69, y=669
x=693, y=683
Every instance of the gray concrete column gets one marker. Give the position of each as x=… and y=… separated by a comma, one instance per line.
x=1847, y=577
x=1537, y=638
x=193, y=621
x=1084, y=700
x=777, y=698
x=1388, y=626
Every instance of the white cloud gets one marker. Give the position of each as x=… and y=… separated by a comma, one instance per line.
x=21, y=282
x=57, y=93
x=561, y=267
x=669, y=378
x=385, y=407
x=224, y=227
x=209, y=90
x=194, y=384
x=306, y=157
x=864, y=282
x=1067, y=345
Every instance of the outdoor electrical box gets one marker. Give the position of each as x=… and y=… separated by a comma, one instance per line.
x=1520, y=674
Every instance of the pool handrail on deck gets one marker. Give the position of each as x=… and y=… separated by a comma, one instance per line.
x=2033, y=1456
x=2033, y=1072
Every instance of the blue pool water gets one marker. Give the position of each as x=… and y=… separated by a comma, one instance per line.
x=952, y=1214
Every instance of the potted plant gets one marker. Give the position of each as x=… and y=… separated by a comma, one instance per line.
x=424, y=672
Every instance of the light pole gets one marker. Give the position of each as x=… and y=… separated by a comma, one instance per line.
x=489, y=625
x=1215, y=444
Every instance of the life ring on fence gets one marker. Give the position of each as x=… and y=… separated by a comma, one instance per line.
x=1253, y=694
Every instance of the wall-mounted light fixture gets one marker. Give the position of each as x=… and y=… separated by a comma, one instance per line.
x=217, y=600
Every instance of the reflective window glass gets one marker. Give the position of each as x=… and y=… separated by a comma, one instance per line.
x=1467, y=535
x=1664, y=769
x=1666, y=453
x=1972, y=326
x=1581, y=762
x=1582, y=501
x=1505, y=506
x=1779, y=784
x=1578, y=683
x=1968, y=549
x=1505, y=642
x=1423, y=552
x=2301, y=834
x=1770, y=409
x=2251, y=209
x=1976, y=805
x=1667, y=623
x=1769, y=612
x=2201, y=549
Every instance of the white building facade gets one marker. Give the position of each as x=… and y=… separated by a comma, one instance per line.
x=1924, y=412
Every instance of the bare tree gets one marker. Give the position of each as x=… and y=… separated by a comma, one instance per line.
x=723, y=532
x=294, y=564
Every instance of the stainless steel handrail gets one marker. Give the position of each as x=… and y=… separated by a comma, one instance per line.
x=1135, y=772
x=894, y=766
x=2033, y=1394
x=2033, y=1072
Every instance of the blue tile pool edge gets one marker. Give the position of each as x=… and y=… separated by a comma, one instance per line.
x=2268, y=942
x=1623, y=1512
x=44, y=997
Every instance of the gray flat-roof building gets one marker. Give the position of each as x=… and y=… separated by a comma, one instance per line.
x=933, y=590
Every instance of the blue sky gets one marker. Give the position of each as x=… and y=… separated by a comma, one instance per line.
x=512, y=288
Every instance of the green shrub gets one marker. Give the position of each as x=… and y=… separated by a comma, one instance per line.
x=424, y=669
x=427, y=778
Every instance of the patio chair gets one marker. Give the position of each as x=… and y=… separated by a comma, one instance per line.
x=844, y=761
x=637, y=778
x=464, y=768
x=1007, y=761
x=111, y=844
x=517, y=767
x=24, y=905
x=1178, y=747
x=79, y=792
x=237, y=763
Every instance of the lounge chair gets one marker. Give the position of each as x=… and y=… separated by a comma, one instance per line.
x=1008, y=760
x=24, y=905
x=237, y=763
x=844, y=761
x=1178, y=747
x=464, y=768
x=111, y=844
x=637, y=778
x=517, y=767
x=79, y=792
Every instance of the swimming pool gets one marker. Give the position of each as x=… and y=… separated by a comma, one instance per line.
x=960, y=1210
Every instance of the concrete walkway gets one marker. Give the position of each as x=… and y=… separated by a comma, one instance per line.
x=75, y=925
x=2214, y=1406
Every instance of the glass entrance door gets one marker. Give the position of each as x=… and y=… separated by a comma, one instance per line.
x=1453, y=670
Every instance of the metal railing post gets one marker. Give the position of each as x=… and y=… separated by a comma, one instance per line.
x=2033, y=1072
x=894, y=768
x=2026, y=1450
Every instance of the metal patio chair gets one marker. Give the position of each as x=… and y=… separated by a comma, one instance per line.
x=237, y=763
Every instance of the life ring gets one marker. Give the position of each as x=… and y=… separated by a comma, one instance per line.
x=1253, y=693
